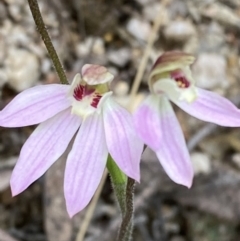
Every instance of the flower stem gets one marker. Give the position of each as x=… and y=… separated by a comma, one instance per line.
x=119, y=183
x=33, y=4
x=125, y=232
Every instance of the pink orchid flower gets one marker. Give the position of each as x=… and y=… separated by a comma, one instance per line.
x=156, y=123
x=105, y=127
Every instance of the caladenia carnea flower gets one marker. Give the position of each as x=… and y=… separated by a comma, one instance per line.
x=156, y=123
x=86, y=108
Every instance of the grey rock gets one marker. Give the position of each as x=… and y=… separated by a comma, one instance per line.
x=180, y=30
x=140, y=29
x=222, y=13
x=119, y=57
x=22, y=69
x=209, y=71
x=201, y=163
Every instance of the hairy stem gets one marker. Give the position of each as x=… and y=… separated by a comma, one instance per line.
x=33, y=4
x=125, y=231
x=119, y=183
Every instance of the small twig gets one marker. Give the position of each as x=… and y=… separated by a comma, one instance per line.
x=200, y=135
x=90, y=209
x=33, y=4
x=143, y=63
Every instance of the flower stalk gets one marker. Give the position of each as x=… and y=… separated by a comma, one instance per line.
x=124, y=191
x=119, y=183
x=125, y=231
x=33, y=4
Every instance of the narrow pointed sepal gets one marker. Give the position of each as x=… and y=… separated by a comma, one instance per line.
x=35, y=105
x=212, y=107
x=147, y=122
x=123, y=143
x=85, y=164
x=173, y=153
x=46, y=144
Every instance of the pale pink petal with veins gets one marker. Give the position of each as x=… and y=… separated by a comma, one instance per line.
x=45, y=145
x=35, y=105
x=85, y=164
x=173, y=153
x=147, y=121
x=212, y=107
x=123, y=143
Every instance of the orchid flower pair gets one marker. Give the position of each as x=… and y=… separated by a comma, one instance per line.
x=104, y=128
x=156, y=123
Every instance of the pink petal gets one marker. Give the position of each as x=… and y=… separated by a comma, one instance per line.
x=122, y=142
x=85, y=164
x=212, y=107
x=35, y=105
x=173, y=153
x=148, y=123
x=46, y=144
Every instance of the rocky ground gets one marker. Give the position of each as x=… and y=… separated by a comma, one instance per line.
x=114, y=33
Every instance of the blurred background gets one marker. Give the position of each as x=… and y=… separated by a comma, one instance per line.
x=114, y=33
